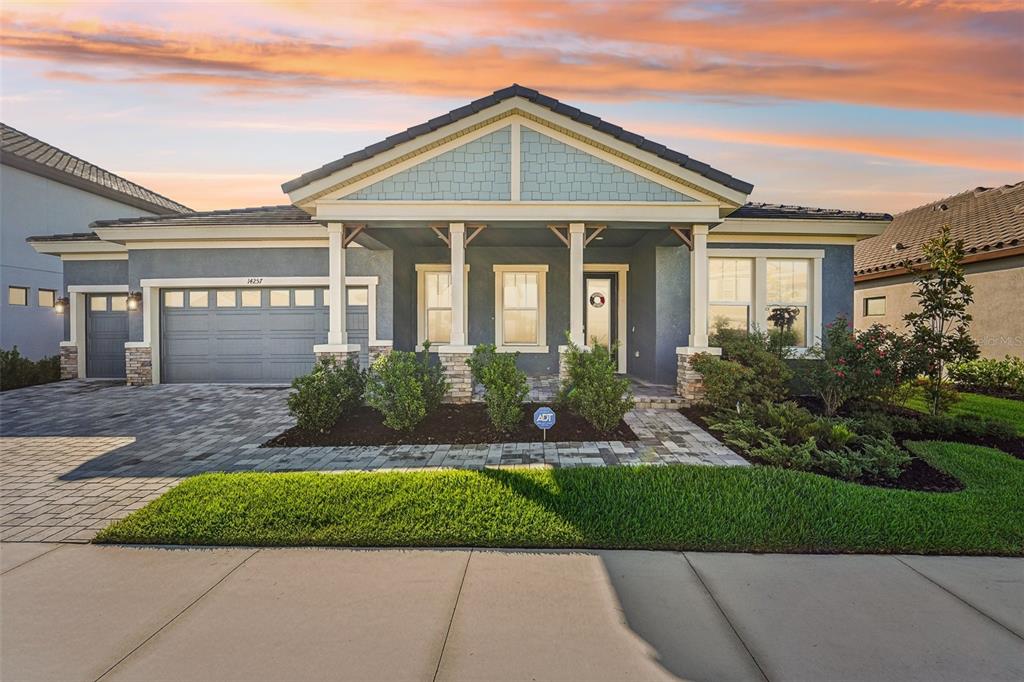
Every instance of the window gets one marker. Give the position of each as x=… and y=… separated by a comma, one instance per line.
x=119, y=304
x=198, y=299
x=226, y=299
x=519, y=321
x=874, y=305
x=304, y=297
x=98, y=304
x=438, y=299
x=358, y=296
x=280, y=298
x=789, y=287
x=252, y=298
x=17, y=295
x=174, y=299
x=730, y=292
x=47, y=298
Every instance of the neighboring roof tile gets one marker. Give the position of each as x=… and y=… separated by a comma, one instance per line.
x=769, y=211
x=22, y=151
x=985, y=218
x=539, y=99
x=257, y=215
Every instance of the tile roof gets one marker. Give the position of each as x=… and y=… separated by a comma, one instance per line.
x=752, y=210
x=27, y=153
x=257, y=215
x=68, y=237
x=554, y=105
x=987, y=219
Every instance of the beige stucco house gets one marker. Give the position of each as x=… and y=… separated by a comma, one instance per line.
x=990, y=221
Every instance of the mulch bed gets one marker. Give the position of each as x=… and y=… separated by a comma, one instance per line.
x=448, y=424
x=919, y=474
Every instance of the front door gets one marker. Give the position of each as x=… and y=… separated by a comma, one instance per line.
x=601, y=302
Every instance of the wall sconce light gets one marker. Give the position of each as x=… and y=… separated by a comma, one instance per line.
x=134, y=300
x=60, y=306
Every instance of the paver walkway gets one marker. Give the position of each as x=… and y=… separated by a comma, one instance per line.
x=120, y=613
x=76, y=455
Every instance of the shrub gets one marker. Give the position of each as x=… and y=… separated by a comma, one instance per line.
x=882, y=457
x=17, y=371
x=505, y=386
x=763, y=353
x=777, y=453
x=989, y=374
x=727, y=384
x=404, y=389
x=591, y=388
x=326, y=393
x=963, y=427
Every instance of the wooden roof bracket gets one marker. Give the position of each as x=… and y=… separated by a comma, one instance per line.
x=685, y=235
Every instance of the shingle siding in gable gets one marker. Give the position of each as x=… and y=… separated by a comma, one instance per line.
x=554, y=171
x=478, y=170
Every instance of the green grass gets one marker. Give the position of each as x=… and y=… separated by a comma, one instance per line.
x=974, y=404
x=681, y=507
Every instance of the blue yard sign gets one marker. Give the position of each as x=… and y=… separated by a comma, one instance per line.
x=544, y=419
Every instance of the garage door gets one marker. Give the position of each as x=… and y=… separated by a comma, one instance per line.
x=241, y=335
x=106, y=331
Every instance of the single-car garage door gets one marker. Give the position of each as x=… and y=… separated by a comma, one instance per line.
x=241, y=335
x=106, y=331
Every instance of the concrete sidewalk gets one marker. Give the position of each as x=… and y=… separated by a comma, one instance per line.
x=84, y=612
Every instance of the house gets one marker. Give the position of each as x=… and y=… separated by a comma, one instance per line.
x=45, y=189
x=512, y=220
x=990, y=221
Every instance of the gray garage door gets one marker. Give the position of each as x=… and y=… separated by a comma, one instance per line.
x=106, y=331
x=242, y=335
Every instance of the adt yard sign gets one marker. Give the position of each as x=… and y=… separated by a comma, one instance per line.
x=544, y=419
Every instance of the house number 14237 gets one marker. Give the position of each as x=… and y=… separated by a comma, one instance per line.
x=255, y=280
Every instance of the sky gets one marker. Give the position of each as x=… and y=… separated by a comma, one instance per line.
x=872, y=105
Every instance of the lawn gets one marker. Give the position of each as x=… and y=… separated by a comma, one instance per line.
x=974, y=404
x=757, y=509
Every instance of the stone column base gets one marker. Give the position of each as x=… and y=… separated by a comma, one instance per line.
x=455, y=363
x=690, y=382
x=138, y=365
x=378, y=350
x=340, y=352
x=68, y=362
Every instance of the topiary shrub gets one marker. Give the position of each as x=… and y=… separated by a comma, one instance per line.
x=592, y=390
x=17, y=371
x=404, y=388
x=505, y=386
x=326, y=393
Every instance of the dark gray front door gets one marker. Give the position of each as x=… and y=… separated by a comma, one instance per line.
x=106, y=332
x=240, y=335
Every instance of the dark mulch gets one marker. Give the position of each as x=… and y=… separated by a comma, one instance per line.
x=919, y=474
x=454, y=424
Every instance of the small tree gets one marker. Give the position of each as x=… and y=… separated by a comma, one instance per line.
x=939, y=330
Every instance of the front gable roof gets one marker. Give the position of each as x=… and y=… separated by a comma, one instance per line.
x=674, y=158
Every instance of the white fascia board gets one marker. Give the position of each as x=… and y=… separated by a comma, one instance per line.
x=804, y=226
x=509, y=106
x=198, y=232
x=498, y=211
x=59, y=248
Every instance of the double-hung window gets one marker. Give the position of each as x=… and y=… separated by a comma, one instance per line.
x=789, y=282
x=730, y=293
x=519, y=301
x=434, y=296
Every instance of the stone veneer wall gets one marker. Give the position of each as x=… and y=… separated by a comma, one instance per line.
x=69, y=362
x=690, y=382
x=138, y=365
x=374, y=352
x=459, y=376
x=340, y=357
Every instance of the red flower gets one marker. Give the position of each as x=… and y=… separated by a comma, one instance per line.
x=860, y=346
x=878, y=372
x=842, y=361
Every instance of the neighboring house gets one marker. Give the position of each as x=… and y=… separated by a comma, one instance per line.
x=990, y=221
x=554, y=221
x=44, y=189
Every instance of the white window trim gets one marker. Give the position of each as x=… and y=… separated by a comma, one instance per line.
x=421, y=299
x=499, y=307
x=751, y=302
x=759, y=316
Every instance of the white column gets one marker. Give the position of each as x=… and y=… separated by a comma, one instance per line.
x=457, y=242
x=576, y=237
x=336, y=334
x=699, y=299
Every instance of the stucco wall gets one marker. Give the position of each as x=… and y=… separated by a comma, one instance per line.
x=477, y=170
x=998, y=295
x=554, y=171
x=31, y=205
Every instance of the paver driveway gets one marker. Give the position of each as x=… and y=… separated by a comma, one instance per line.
x=76, y=455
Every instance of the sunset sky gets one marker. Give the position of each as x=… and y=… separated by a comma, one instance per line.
x=869, y=105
